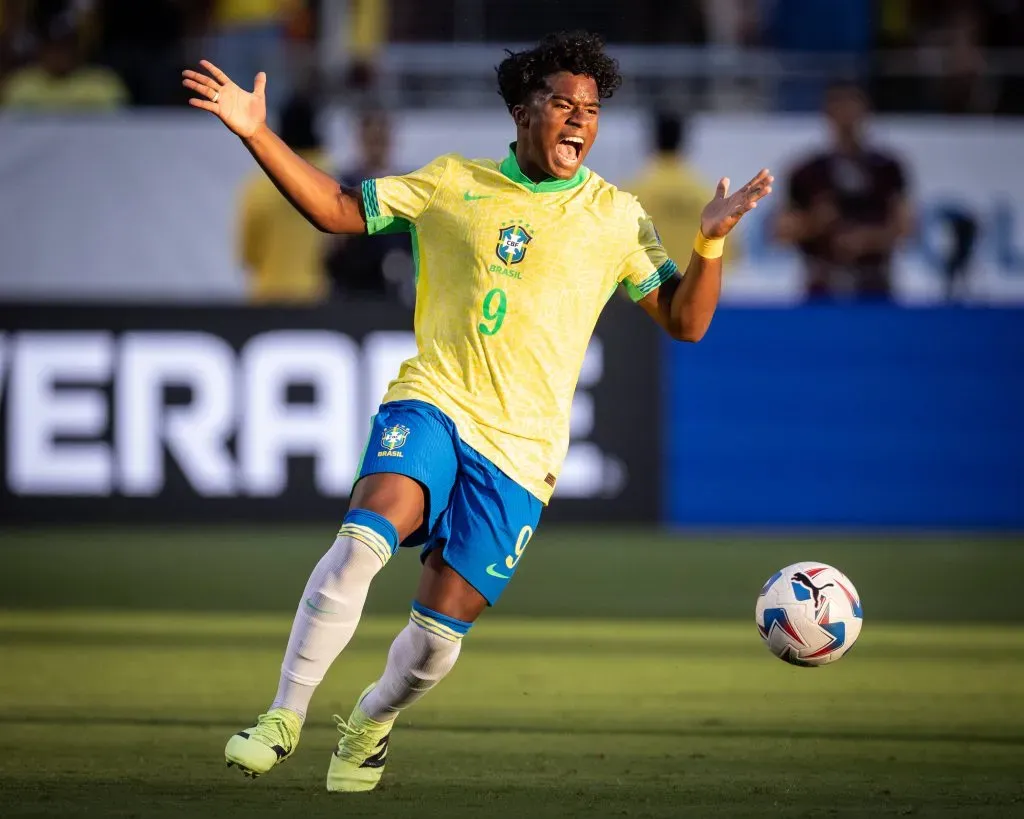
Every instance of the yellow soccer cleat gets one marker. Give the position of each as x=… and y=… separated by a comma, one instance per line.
x=358, y=762
x=271, y=740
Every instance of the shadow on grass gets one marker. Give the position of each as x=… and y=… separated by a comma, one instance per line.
x=710, y=729
x=466, y=796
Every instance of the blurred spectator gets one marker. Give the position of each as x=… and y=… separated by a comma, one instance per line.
x=59, y=79
x=378, y=265
x=282, y=252
x=671, y=191
x=365, y=34
x=245, y=37
x=934, y=56
x=960, y=85
x=847, y=207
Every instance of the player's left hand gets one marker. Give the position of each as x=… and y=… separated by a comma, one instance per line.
x=723, y=212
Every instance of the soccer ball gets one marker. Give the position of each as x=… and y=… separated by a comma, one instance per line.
x=809, y=614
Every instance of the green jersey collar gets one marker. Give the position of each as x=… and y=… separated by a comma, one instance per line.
x=510, y=167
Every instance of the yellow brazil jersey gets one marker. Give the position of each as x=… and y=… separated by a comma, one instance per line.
x=511, y=278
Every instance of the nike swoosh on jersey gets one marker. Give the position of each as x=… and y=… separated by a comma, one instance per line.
x=492, y=573
x=469, y=197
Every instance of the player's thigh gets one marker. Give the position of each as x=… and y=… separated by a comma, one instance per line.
x=483, y=535
x=409, y=468
x=396, y=497
x=444, y=590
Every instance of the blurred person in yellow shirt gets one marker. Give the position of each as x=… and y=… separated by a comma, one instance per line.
x=670, y=189
x=59, y=80
x=282, y=252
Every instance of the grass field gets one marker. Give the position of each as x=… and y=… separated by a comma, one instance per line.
x=621, y=676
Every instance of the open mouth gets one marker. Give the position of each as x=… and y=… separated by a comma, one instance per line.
x=569, y=150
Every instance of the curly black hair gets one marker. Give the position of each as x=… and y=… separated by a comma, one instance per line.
x=578, y=52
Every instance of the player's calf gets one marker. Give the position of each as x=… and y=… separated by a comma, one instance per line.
x=325, y=621
x=420, y=657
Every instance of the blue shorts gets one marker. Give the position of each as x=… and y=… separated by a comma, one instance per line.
x=480, y=517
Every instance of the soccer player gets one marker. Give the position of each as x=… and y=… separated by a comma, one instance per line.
x=516, y=258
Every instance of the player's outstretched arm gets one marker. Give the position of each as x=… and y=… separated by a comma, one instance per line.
x=685, y=306
x=315, y=194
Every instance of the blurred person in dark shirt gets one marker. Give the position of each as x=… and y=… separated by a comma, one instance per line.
x=847, y=208
x=362, y=265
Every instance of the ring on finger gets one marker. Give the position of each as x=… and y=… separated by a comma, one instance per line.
x=216, y=97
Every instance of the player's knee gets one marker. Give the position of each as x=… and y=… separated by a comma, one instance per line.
x=443, y=589
x=397, y=498
x=436, y=660
x=365, y=529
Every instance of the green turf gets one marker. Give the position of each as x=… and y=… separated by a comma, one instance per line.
x=577, y=572
x=561, y=705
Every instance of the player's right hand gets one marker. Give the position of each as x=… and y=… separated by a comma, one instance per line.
x=242, y=111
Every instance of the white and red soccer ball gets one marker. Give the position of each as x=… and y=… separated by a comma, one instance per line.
x=809, y=614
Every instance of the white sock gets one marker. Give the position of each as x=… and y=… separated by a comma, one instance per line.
x=420, y=657
x=329, y=610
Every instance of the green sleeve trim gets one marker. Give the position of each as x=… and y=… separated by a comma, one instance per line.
x=375, y=223
x=637, y=291
x=415, y=255
x=384, y=225
x=370, y=203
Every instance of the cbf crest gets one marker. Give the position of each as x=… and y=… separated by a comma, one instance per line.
x=394, y=437
x=512, y=242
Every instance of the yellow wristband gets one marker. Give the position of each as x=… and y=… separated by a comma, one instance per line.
x=708, y=248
